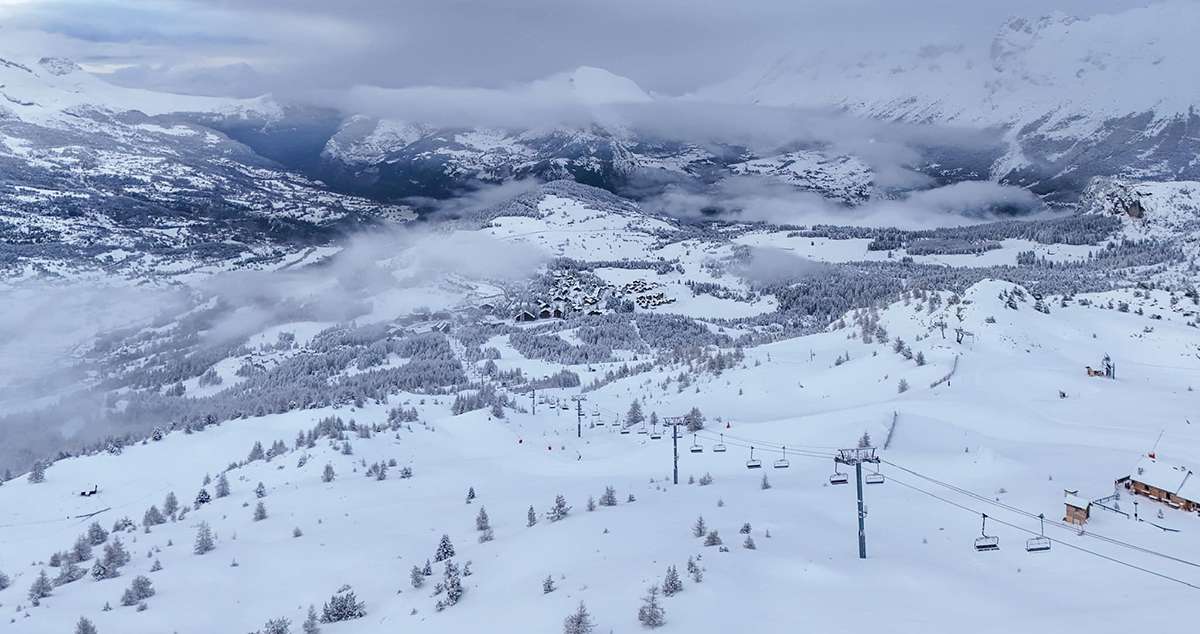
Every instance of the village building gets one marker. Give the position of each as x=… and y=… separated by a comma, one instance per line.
x=524, y=315
x=1174, y=485
x=1079, y=508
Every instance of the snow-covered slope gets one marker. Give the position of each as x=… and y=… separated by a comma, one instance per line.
x=997, y=429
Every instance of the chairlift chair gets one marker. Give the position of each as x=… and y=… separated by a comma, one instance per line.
x=624, y=430
x=655, y=434
x=720, y=447
x=1041, y=543
x=753, y=463
x=876, y=477
x=783, y=463
x=696, y=448
x=986, y=542
x=838, y=477
x=642, y=430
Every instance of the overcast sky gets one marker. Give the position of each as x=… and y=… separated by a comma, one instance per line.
x=667, y=46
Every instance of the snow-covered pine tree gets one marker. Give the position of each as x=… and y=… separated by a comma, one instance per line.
x=41, y=588
x=864, y=441
x=115, y=556
x=559, y=510
x=902, y=386
x=591, y=504
x=452, y=584
x=4, y=580
x=260, y=491
x=170, y=504
x=310, y=622
x=634, y=416
x=281, y=625
x=745, y=529
x=695, y=571
x=579, y=622
x=68, y=573
x=416, y=577
x=84, y=626
x=699, y=528
x=531, y=517
x=609, y=498
x=765, y=483
x=204, y=539
x=445, y=549
x=749, y=543
x=470, y=494
x=153, y=517
x=481, y=520
x=651, y=613
x=327, y=475
x=260, y=512
x=671, y=584
x=548, y=584
x=202, y=498
x=343, y=606
x=96, y=534
x=37, y=475
x=222, y=488
x=712, y=539
x=256, y=452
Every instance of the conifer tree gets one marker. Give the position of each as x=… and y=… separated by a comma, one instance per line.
x=470, y=494
x=531, y=517
x=343, y=606
x=170, y=504
x=609, y=498
x=416, y=577
x=202, y=498
x=204, y=540
x=82, y=550
x=548, y=584
x=671, y=583
x=153, y=517
x=96, y=534
x=327, y=475
x=40, y=589
x=699, y=528
x=559, y=510
x=651, y=613
x=260, y=512
x=445, y=549
x=84, y=626
x=481, y=520
x=37, y=475
x=260, y=491
x=579, y=622
x=310, y=623
x=222, y=488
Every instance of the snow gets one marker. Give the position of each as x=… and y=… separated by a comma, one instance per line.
x=998, y=429
x=1176, y=479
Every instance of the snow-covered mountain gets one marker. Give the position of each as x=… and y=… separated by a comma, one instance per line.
x=1107, y=95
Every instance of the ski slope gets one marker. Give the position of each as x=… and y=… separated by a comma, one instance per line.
x=997, y=429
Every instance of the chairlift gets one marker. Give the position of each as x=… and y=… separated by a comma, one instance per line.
x=624, y=430
x=838, y=477
x=753, y=463
x=720, y=447
x=655, y=434
x=696, y=448
x=783, y=463
x=984, y=541
x=875, y=478
x=1041, y=543
x=642, y=430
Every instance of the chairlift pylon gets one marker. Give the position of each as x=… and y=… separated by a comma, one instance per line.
x=1041, y=543
x=720, y=447
x=986, y=542
x=753, y=463
x=783, y=463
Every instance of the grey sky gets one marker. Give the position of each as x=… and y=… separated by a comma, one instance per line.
x=667, y=46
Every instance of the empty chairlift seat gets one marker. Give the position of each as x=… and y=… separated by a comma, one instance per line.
x=986, y=542
x=838, y=477
x=719, y=447
x=753, y=463
x=783, y=463
x=696, y=447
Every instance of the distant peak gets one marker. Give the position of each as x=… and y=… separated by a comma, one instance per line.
x=592, y=85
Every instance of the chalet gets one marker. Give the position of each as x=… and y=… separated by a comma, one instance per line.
x=558, y=313
x=1079, y=508
x=1174, y=485
x=524, y=315
x=487, y=306
x=546, y=312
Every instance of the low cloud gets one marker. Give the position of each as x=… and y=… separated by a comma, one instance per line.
x=768, y=199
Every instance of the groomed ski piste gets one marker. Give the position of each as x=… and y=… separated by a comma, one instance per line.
x=1017, y=423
